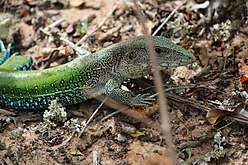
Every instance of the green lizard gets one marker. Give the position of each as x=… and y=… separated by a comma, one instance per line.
x=86, y=76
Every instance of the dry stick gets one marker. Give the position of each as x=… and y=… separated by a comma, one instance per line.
x=95, y=158
x=111, y=115
x=178, y=99
x=62, y=144
x=78, y=49
x=99, y=25
x=165, y=123
x=55, y=23
x=192, y=103
x=169, y=16
x=47, y=29
x=91, y=117
x=127, y=111
x=233, y=117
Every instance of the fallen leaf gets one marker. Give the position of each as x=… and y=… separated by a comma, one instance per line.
x=76, y=3
x=76, y=152
x=136, y=134
x=243, y=68
x=244, y=53
x=148, y=110
x=152, y=108
x=243, y=78
x=215, y=114
x=148, y=154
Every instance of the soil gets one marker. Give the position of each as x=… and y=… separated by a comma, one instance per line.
x=205, y=98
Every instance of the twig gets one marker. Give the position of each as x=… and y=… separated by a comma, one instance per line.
x=56, y=23
x=78, y=49
x=100, y=24
x=169, y=88
x=46, y=31
x=233, y=117
x=165, y=123
x=51, y=58
x=112, y=114
x=62, y=144
x=226, y=125
x=91, y=117
x=169, y=16
x=187, y=101
x=173, y=97
x=95, y=158
x=126, y=110
x=8, y=161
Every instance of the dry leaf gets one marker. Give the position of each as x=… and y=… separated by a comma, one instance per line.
x=136, y=134
x=76, y=3
x=243, y=71
x=244, y=53
x=152, y=108
x=76, y=152
x=148, y=110
x=215, y=114
x=243, y=68
x=147, y=154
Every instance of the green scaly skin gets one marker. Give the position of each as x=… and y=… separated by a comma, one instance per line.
x=89, y=76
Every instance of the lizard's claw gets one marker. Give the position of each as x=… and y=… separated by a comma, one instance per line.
x=142, y=100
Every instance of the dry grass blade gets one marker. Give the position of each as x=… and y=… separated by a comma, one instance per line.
x=165, y=123
x=100, y=24
x=126, y=110
x=167, y=19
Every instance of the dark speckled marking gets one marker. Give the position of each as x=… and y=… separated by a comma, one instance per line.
x=88, y=76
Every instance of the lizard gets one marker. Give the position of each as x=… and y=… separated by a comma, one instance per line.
x=86, y=77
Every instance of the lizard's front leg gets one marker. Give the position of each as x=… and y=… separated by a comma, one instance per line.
x=113, y=91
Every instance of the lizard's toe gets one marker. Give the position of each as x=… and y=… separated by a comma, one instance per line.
x=143, y=100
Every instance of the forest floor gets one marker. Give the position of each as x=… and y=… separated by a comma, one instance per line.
x=206, y=99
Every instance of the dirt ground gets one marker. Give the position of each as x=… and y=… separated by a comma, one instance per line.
x=206, y=99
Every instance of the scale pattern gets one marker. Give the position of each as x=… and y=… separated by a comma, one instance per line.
x=43, y=102
x=87, y=76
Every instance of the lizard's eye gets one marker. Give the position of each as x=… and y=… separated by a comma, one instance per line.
x=158, y=50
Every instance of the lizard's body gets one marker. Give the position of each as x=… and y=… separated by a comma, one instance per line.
x=88, y=76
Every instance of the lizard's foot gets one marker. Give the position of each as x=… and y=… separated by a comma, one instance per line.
x=113, y=91
x=142, y=100
x=5, y=52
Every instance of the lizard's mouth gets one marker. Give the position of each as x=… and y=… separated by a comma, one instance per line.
x=168, y=58
x=169, y=64
x=164, y=63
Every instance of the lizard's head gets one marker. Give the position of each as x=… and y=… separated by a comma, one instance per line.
x=136, y=61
